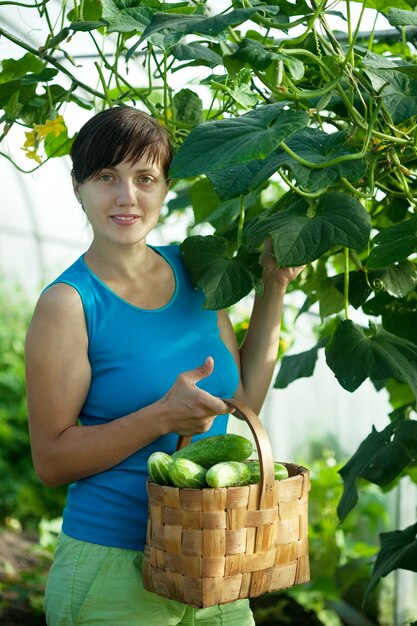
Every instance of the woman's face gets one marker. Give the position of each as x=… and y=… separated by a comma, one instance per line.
x=123, y=202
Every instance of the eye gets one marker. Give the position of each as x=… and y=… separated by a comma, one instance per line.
x=146, y=179
x=105, y=177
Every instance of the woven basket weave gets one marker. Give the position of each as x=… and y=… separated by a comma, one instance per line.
x=211, y=546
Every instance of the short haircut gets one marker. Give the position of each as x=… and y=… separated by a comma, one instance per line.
x=119, y=134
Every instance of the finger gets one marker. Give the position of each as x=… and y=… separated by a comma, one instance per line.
x=202, y=371
x=213, y=402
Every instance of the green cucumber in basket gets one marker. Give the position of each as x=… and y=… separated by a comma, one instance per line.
x=280, y=471
x=212, y=450
x=186, y=473
x=228, y=474
x=159, y=464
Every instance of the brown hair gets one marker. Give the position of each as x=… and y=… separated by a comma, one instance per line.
x=116, y=135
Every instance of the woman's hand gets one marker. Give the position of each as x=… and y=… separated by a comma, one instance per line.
x=187, y=409
x=281, y=276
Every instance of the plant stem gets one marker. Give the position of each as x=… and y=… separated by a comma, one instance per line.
x=310, y=93
x=309, y=25
x=332, y=39
x=34, y=5
x=107, y=95
x=371, y=38
x=346, y=283
x=50, y=59
x=166, y=119
x=241, y=221
x=354, y=190
x=297, y=190
x=391, y=138
x=211, y=104
x=319, y=166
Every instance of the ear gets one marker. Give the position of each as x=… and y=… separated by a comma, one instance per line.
x=76, y=187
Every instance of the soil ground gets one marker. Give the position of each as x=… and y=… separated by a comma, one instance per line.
x=23, y=569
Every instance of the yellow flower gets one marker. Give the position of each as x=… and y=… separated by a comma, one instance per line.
x=30, y=140
x=31, y=154
x=56, y=126
x=39, y=133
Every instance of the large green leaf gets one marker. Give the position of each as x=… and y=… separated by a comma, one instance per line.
x=25, y=85
x=292, y=8
x=399, y=279
x=382, y=6
x=44, y=76
x=400, y=450
x=125, y=19
x=354, y=354
x=207, y=208
x=400, y=17
x=201, y=24
x=295, y=366
x=310, y=144
x=195, y=51
x=259, y=57
x=398, y=315
x=237, y=180
x=398, y=551
x=213, y=145
x=303, y=233
x=394, y=243
x=87, y=26
x=188, y=107
x=380, y=458
x=331, y=300
x=359, y=286
x=91, y=10
x=58, y=146
x=223, y=280
x=398, y=91
x=16, y=68
x=318, y=147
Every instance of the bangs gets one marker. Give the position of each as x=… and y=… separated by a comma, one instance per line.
x=126, y=144
x=117, y=135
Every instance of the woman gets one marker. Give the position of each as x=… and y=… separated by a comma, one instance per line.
x=120, y=359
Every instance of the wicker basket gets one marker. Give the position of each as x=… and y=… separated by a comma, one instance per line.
x=211, y=546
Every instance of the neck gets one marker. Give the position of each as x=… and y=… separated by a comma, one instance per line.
x=126, y=262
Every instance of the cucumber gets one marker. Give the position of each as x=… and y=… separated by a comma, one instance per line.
x=212, y=450
x=186, y=473
x=280, y=471
x=228, y=474
x=158, y=465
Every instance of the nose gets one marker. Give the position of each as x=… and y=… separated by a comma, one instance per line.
x=126, y=193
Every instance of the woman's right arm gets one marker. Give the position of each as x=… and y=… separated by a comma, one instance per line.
x=58, y=376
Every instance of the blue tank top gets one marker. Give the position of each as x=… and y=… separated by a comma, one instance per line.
x=135, y=356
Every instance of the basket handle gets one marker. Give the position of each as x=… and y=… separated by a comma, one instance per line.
x=266, y=461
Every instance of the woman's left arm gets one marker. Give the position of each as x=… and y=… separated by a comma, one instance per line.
x=256, y=357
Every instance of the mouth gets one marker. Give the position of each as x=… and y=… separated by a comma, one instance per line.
x=124, y=219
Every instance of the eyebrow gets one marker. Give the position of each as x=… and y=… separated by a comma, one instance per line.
x=140, y=170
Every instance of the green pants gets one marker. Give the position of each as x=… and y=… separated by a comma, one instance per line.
x=94, y=585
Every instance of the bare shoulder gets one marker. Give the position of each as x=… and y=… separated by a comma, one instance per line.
x=60, y=303
x=58, y=316
x=58, y=371
x=60, y=298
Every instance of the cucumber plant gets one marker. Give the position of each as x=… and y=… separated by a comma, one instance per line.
x=309, y=139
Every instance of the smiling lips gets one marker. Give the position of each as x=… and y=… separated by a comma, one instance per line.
x=124, y=220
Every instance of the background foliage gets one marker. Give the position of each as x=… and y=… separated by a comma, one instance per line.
x=22, y=496
x=309, y=138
